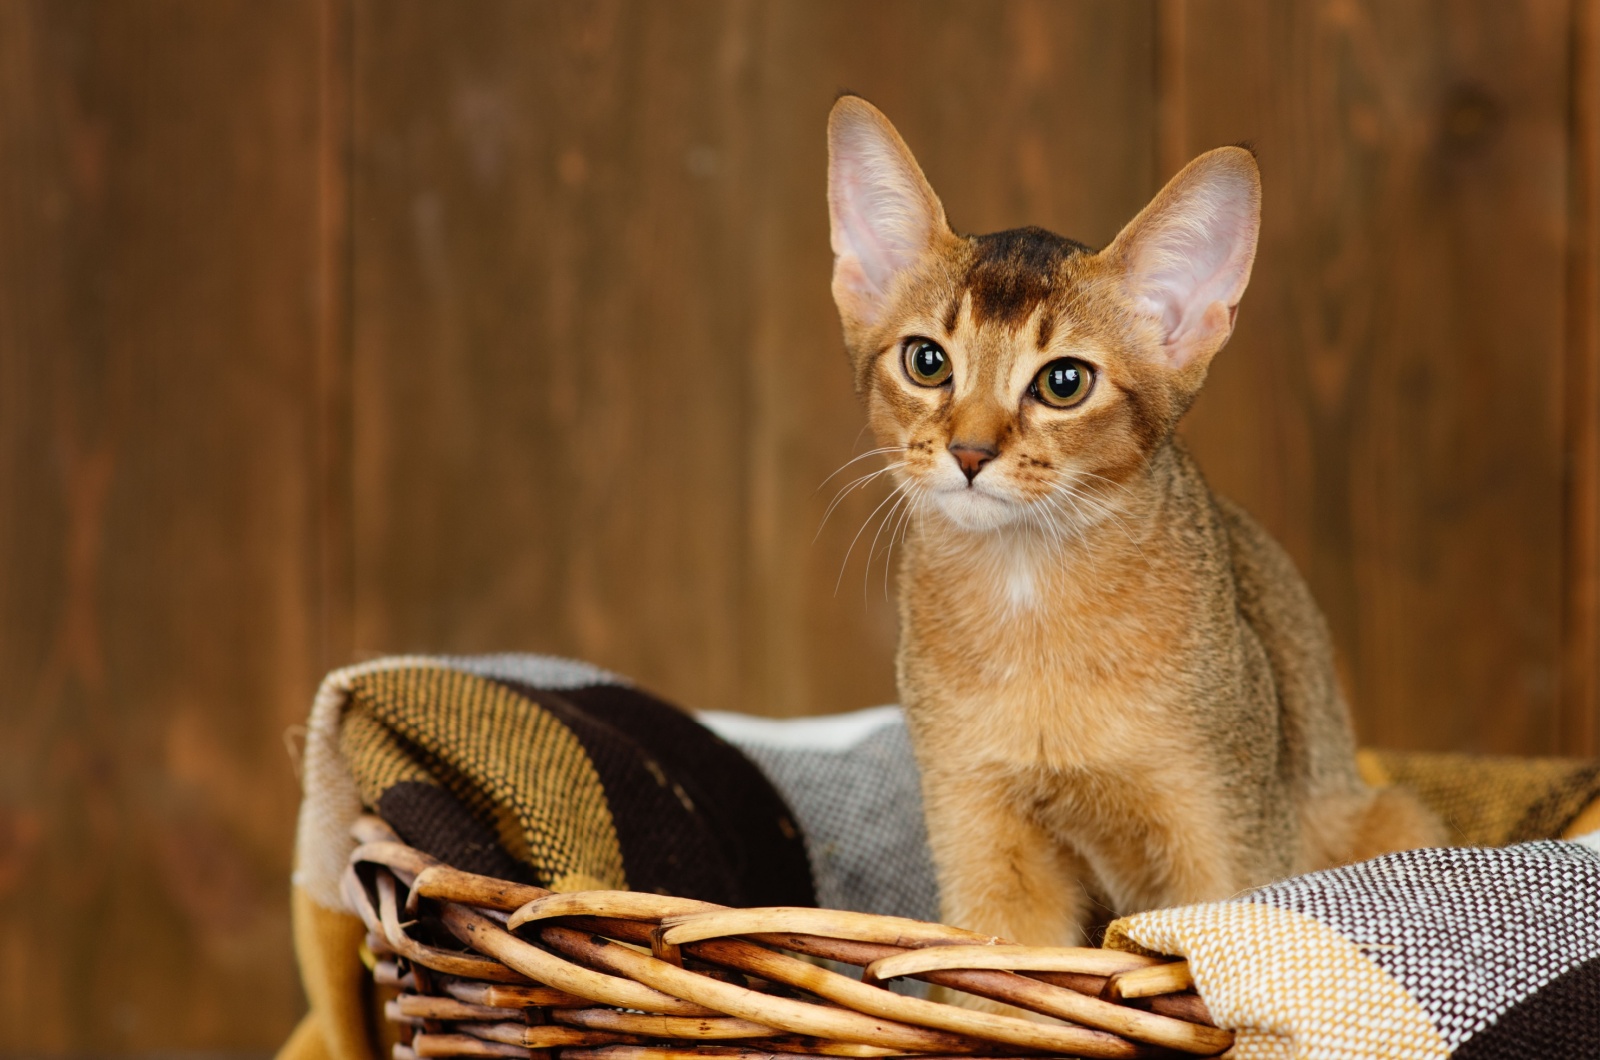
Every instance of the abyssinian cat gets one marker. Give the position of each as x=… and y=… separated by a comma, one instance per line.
x=1119, y=690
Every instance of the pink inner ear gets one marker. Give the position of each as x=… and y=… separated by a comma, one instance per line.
x=847, y=272
x=855, y=236
x=882, y=215
x=1194, y=254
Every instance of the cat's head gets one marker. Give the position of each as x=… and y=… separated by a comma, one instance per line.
x=1022, y=372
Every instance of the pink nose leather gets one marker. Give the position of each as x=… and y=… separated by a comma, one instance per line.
x=971, y=458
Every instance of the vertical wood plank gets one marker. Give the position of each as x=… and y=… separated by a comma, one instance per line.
x=1172, y=81
x=158, y=329
x=1580, y=684
x=335, y=399
x=598, y=376
x=1390, y=404
x=549, y=327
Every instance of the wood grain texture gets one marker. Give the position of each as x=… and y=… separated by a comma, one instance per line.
x=157, y=442
x=331, y=327
x=546, y=438
x=1580, y=673
x=334, y=282
x=598, y=373
x=1390, y=406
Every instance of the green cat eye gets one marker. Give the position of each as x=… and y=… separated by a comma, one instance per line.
x=1063, y=383
x=926, y=362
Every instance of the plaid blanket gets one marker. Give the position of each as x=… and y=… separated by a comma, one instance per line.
x=1474, y=953
x=558, y=773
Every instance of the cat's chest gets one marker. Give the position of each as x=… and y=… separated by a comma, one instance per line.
x=1031, y=663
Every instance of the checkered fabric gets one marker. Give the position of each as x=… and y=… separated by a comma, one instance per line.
x=1473, y=953
x=852, y=782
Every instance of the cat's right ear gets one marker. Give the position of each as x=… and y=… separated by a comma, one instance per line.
x=883, y=214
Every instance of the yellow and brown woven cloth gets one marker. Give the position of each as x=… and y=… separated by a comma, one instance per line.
x=1476, y=953
x=554, y=772
x=560, y=775
x=526, y=768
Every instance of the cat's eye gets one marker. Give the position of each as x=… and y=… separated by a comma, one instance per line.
x=926, y=362
x=1063, y=383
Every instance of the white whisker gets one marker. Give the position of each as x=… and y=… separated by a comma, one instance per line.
x=914, y=507
x=1061, y=528
x=856, y=459
x=1100, y=507
x=899, y=489
x=859, y=483
x=872, y=550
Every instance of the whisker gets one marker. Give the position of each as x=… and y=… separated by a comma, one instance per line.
x=899, y=489
x=872, y=551
x=1116, y=487
x=900, y=529
x=1046, y=514
x=1098, y=504
x=859, y=483
x=1106, y=511
x=1102, y=478
x=856, y=459
x=1060, y=527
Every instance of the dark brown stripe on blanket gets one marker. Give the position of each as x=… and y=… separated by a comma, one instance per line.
x=1560, y=1019
x=694, y=817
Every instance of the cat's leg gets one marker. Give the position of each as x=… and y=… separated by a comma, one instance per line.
x=1151, y=850
x=1387, y=820
x=999, y=872
x=1362, y=823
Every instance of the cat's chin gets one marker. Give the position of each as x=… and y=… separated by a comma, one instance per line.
x=976, y=509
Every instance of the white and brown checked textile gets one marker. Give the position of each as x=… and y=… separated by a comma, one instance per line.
x=1475, y=953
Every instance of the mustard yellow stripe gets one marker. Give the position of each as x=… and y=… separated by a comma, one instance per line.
x=1372, y=769
x=514, y=764
x=1280, y=980
x=378, y=758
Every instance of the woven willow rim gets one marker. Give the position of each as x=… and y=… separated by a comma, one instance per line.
x=490, y=968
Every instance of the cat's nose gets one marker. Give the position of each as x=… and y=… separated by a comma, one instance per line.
x=971, y=458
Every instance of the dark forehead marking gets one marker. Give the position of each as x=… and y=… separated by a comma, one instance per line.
x=1047, y=327
x=1012, y=272
x=951, y=314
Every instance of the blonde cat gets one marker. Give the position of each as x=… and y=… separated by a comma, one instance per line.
x=1120, y=691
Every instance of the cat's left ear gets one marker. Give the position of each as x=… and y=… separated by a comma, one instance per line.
x=883, y=213
x=1186, y=258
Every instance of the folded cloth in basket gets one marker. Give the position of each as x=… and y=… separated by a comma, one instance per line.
x=555, y=772
x=1474, y=953
x=542, y=771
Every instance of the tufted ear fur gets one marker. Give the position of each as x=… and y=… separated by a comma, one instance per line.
x=1186, y=258
x=882, y=212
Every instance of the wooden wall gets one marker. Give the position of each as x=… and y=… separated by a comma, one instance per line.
x=336, y=327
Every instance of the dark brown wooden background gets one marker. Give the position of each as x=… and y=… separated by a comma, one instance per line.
x=336, y=327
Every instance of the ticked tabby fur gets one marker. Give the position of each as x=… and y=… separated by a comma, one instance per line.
x=1120, y=691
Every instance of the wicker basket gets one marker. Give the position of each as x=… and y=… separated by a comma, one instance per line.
x=486, y=967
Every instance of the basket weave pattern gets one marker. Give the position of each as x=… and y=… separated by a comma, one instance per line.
x=490, y=968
